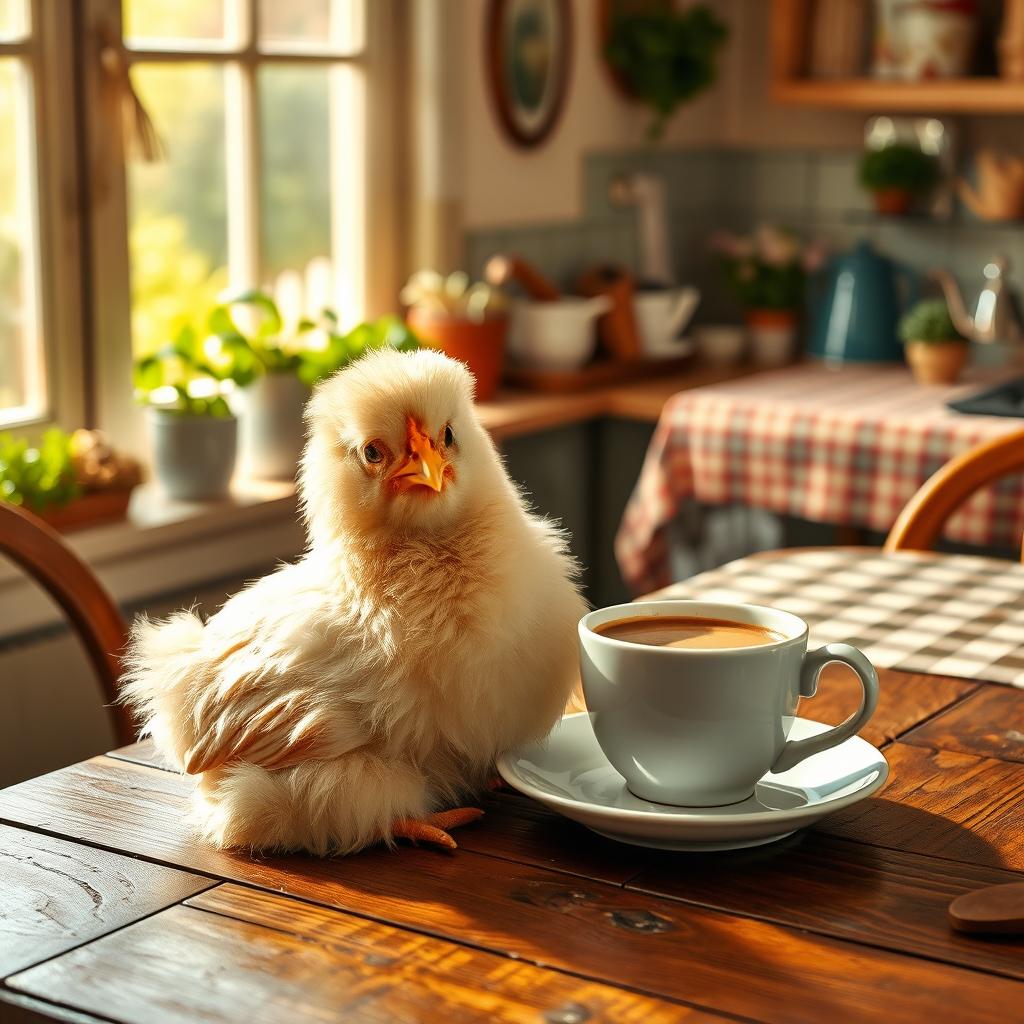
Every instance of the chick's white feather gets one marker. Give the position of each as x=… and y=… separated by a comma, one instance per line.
x=377, y=678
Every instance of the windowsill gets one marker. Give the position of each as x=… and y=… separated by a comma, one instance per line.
x=165, y=546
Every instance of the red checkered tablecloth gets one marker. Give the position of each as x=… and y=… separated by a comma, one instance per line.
x=847, y=446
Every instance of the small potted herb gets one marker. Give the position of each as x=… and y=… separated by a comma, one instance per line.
x=897, y=176
x=68, y=480
x=465, y=321
x=767, y=271
x=194, y=432
x=935, y=349
x=275, y=364
x=664, y=57
x=38, y=477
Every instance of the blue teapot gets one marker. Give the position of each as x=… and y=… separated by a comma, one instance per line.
x=857, y=306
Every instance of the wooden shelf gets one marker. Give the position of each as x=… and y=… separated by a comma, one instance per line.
x=952, y=96
x=790, y=42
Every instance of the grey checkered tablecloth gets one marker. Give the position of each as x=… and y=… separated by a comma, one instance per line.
x=953, y=615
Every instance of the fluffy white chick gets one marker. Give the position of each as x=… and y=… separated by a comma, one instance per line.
x=350, y=697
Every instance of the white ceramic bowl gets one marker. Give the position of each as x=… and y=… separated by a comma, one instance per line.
x=555, y=335
x=722, y=344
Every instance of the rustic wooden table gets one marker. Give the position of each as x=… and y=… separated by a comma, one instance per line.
x=112, y=911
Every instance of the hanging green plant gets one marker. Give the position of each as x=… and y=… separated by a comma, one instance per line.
x=665, y=57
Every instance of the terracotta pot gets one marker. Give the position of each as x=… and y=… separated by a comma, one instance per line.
x=90, y=509
x=480, y=345
x=936, y=362
x=893, y=202
x=772, y=334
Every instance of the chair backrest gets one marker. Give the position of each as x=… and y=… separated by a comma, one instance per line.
x=920, y=523
x=44, y=555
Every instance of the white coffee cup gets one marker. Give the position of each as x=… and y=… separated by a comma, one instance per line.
x=699, y=727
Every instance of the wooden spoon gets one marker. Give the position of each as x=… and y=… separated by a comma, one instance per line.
x=995, y=910
x=500, y=270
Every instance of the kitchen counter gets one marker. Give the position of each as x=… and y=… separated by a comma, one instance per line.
x=514, y=413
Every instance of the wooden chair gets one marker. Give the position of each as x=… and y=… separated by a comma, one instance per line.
x=922, y=518
x=44, y=555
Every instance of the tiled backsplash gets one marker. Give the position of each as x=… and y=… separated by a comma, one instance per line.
x=813, y=192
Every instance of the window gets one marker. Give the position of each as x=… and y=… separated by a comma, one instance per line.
x=267, y=174
x=25, y=383
x=258, y=106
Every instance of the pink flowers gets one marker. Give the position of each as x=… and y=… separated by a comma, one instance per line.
x=771, y=245
x=767, y=269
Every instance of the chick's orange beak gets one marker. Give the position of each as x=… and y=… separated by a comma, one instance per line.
x=423, y=466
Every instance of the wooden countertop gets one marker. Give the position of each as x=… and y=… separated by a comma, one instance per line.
x=514, y=412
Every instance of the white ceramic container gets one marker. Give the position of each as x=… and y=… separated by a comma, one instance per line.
x=558, y=335
x=661, y=318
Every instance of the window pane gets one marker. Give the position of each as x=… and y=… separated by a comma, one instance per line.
x=311, y=24
x=13, y=19
x=153, y=22
x=178, y=207
x=295, y=195
x=22, y=390
x=311, y=189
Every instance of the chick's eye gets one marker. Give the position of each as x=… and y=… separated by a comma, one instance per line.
x=372, y=453
x=449, y=437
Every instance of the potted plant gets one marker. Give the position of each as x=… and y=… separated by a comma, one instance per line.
x=664, y=57
x=466, y=322
x=935, y=349
x=193, y=430
x=68, y=480
x=767, y=271
x=274, y=365
x=897, y=176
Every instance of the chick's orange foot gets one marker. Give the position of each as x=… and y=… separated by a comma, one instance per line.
x=434, y=828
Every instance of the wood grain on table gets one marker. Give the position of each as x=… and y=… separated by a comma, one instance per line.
x=120, y=913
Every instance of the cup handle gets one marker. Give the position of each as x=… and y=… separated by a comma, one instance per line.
x=814, y=661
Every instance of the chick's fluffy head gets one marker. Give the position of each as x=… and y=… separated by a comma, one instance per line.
x=346, y=490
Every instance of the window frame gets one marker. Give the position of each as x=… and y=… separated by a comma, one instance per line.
x=107, y=253
x=48, y=51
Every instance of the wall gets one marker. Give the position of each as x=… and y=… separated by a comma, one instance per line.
x=503, y=184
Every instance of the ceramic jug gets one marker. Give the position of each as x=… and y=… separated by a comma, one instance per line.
x=856, y=307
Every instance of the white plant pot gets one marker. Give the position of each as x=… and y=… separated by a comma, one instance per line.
x=721, y=344
x=271, y=429
x=772, y=343
x=194, y=456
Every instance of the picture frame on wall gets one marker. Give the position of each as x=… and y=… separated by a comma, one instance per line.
x=528, y=64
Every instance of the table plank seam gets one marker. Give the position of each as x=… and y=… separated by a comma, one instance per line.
x=601, y=979
x=398, y=925
x=809, y=930
x=127, y=924
x=12, y=997
x=486, y=950
x=954, y=703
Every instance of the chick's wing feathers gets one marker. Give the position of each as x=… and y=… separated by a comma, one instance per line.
x=268, y=724
x=257, y=683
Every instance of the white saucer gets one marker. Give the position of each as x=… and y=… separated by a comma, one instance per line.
x=568, y=773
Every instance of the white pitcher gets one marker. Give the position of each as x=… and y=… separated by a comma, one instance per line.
x=661, y=317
